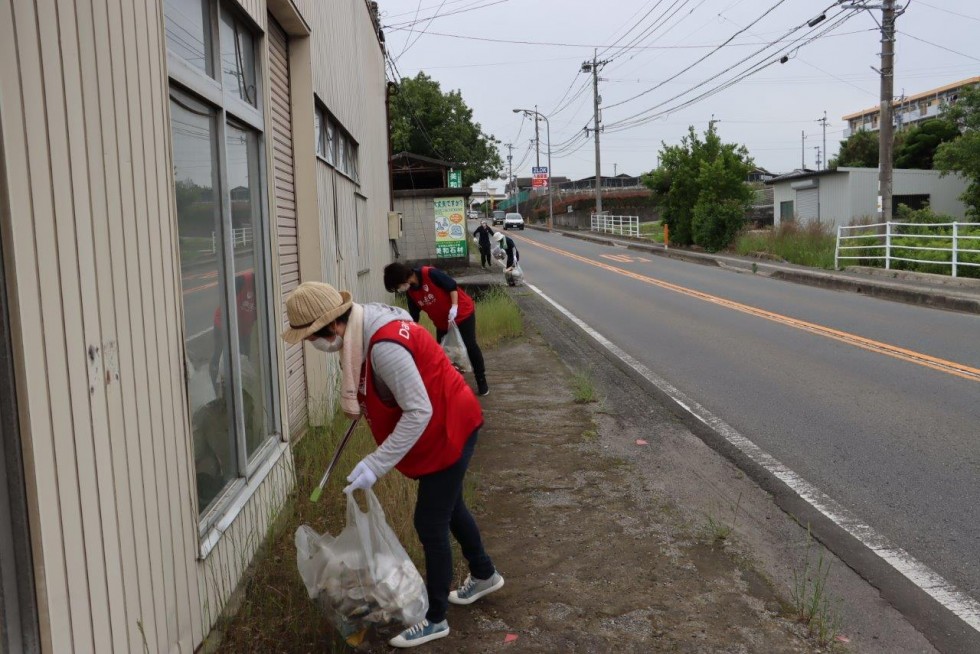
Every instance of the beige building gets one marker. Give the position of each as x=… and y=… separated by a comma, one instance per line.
x=169, y=171
x=908, y=110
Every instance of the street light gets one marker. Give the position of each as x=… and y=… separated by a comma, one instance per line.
x=551, y=207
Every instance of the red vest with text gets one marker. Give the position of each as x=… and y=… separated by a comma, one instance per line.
x=435, y=301
x=456, y=413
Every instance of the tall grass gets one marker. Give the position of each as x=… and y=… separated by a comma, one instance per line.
x=653, y=231
x=809, y=245
x=497, y=317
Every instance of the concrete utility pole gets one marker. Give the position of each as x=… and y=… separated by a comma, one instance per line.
x=537, y=138
x=823, y=121
x=817, y=148
x=803, y=150
x=593, y=67
x=886, y=133
x=510, y=167
x=547, y=125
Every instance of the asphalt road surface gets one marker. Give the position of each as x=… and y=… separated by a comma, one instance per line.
x=875, y=403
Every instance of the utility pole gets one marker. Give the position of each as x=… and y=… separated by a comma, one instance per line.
x=802, y=150
x=817, y=148
x=510, y=167
x=823, y=122
x=537, y=138
x=593, y=67
x=886, y=133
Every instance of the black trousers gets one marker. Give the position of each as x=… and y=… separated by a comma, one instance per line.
x=485, y=259
x=439, y=511
x=467, y=329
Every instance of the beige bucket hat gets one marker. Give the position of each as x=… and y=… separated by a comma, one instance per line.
x=312, y=306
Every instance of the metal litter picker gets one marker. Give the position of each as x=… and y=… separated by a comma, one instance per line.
x=315, y=496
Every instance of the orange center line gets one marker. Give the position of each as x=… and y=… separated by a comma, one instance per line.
x=911, y=356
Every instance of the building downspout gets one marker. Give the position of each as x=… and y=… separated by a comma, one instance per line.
x=390, y=89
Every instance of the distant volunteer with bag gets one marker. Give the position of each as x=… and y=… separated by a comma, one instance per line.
x=506, y=244
x=425, y=420
x=433, y=291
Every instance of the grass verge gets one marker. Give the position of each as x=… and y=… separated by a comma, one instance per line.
x=653, y=231
x=811, y=245
x=275, y=613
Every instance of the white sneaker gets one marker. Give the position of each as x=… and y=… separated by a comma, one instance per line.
x=420, y=634
x=473, y=589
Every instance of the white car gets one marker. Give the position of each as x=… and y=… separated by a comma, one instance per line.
x=472, y=215
x=513, y=221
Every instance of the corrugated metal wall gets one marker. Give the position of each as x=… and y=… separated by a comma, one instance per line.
x=285, y=208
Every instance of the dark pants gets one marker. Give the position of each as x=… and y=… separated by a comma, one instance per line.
x=467, y=329
x=485, y=259
x=439, y=510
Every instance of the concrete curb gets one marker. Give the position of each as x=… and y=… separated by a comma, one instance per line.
x=966, y=298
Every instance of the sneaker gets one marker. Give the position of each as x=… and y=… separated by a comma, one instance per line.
x=473, y=589
x=482, y=388
x=420, y=634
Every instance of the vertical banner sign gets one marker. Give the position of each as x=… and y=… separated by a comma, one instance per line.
x=539, y=177
x=455, y=178
x=450, y=228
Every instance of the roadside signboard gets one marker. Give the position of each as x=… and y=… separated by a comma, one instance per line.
x=455, y=179
x=450, y=216
x=539, y=177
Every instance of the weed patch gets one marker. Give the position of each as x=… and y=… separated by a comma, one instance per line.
x=810, y=245
x=583, y=388
x=813, y=605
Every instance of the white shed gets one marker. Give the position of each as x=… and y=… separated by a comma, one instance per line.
x=847, y=195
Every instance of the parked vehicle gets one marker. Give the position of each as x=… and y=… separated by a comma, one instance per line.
x=498, y=217
x=513, y=221
x=472, y=214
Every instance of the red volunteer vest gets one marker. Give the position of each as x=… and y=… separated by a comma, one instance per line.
x=456, y=413
x=435, y=301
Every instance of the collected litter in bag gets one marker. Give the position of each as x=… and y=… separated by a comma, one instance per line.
x=455, y=349
x=514, y=275
x=363, y=577
x=498, y=253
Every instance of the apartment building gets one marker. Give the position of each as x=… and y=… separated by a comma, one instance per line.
x=908, y=110
x=169, y=171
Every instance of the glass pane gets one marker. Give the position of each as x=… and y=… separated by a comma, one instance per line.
x=352, y=159
x=237, y=59
x=331, y=143
x=189, y=31
x=198, y=216
x=250, y=293
x=341, y=152
x=318, y=131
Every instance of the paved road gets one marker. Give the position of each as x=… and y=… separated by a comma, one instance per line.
x=893, y=434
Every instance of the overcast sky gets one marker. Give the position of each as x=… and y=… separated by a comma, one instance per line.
x=766, y=111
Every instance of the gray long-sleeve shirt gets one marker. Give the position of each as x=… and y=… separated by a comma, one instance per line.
x=396, y=378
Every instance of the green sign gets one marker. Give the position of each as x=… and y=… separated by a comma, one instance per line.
x=455, y=179
x=450, y=214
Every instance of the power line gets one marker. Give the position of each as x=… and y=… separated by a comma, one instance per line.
x=461, y=10
x=948, y=11
x=941, y=47
x=422, y=32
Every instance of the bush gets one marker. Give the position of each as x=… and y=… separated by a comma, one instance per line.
x=715, y=225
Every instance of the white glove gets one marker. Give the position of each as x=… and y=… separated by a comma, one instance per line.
x=452, y=313
x=361, y=477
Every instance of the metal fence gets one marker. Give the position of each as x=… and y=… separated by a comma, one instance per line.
x=620, y=225
x=240, y=238
x=943, y=245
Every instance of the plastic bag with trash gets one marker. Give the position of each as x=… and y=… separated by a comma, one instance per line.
x=498, y=253
x=362, y=577
x=514, y=275
x=455, y=349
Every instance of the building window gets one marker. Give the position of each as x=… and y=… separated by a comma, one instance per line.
x=224, y=254
x=188, y=27
x=334, y=145
x=786, y=211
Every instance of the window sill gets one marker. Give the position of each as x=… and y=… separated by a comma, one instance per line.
x=240, y=495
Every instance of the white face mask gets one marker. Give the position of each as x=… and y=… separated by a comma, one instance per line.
x=404, y=288
x=322, y=344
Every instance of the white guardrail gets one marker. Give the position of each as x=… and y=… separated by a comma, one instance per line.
x=890, y=242
x=241, y=237
x=619, y=225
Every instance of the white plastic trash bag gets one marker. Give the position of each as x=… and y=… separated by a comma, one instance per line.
x=514, y=275
x=455, y=349
x=498, y=253
x=363, y=577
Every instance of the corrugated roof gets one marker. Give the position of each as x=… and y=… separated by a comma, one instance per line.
x=915, y=98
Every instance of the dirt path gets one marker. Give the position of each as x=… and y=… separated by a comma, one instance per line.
x=594, y=561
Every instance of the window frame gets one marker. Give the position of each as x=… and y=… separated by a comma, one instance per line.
x=189, y=83
x=341, y=152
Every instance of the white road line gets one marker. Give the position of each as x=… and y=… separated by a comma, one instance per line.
x=963, y=606
x=203, y=332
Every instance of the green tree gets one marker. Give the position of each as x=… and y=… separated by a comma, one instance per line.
x=921, y=142
x=701, y=190
x=962, y=155
x=426, y=121
x=859, y=150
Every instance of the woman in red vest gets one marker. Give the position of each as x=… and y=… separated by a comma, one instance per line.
x=433, y=291
x=425, y=420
